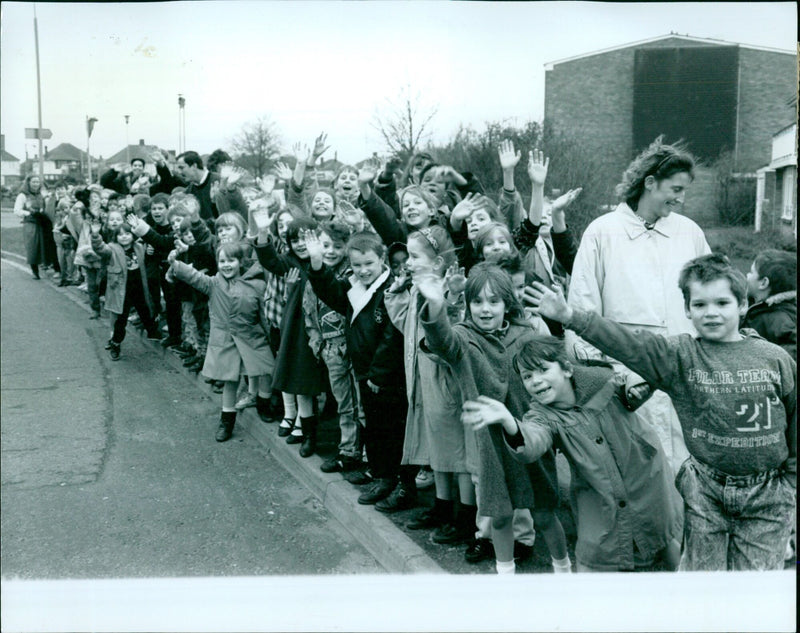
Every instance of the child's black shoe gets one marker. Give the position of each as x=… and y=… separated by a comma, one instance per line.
x=113, y=351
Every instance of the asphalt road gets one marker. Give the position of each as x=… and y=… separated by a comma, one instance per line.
x=110, y=469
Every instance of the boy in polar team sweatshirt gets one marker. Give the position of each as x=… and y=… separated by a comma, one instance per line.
x=735, y=394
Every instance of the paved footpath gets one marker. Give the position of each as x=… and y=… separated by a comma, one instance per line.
x=110, y=469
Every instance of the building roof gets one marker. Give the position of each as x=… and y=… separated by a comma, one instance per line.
x=141, y=150
x=8, y=158
x=65, y=151
x=686, y=38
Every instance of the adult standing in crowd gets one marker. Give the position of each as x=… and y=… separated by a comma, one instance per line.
x=127, y=179
x=37, y=226
x=189, y=168
x=627, y=269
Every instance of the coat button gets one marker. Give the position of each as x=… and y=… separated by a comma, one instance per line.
x=622, y=504
x=599, y=440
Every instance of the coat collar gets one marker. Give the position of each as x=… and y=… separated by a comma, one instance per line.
x=594, y=386
x=634, y=226
x=781, y=297
x=360, y=296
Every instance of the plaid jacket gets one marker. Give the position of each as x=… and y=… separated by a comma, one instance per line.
x=275, y=297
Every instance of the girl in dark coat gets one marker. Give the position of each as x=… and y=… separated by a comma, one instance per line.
x=37, y=227
x=297, y=370
x=479, y=352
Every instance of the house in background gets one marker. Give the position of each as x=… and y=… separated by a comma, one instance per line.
x=719, y=97
x=66, y=160
x=9, y=169
x=127, y=154
x=776, y=189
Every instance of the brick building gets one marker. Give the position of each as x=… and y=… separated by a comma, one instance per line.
x=717, y=96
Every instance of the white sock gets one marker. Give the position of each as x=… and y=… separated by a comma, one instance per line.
x=563, y=566
x=505, y=568
x=289, y=406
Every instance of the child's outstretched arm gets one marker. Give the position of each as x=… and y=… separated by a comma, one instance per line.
x=527, y=439
x=440, y=339
x=652, y=356
x=537, y=172
x=98, y=245
x=329, y=289
x=380, y=215
x=510, y=203
x=186, y=273
x=564, y=243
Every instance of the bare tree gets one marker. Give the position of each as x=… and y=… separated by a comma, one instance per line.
x=256, y=146
x=404, y=125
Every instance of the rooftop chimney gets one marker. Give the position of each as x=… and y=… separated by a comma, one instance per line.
x=141, y=142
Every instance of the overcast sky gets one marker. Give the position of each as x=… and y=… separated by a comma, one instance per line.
x=313, y=66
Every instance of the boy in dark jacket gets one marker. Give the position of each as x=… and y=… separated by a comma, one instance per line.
x=376, y=350
x=772, y=290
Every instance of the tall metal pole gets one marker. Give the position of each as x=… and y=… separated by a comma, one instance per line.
x=127, y=142
x=38, y=95
x=181, y=124
x=88, y=155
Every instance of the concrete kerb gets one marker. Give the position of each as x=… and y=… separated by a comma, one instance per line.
x=395, y=551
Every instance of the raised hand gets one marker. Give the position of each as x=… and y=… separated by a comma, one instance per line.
x=133, y=220
x=283, y=172
x=180, y=245
x=431, y=287
x=267, y=184
x=314, y=248
x=300, y=151
x=449, y=174
x=537, y=167
x=391, y=165
x=455, y=280
x=508, y=157
x=401, y=281
x=367, y=173
x=293, y=276
x=173, y=255
x=157, y=157
x=259, y=215
x=564, y=200
x=484, y=411
x=548, y=302
x=319, y=147
x=466, y=207
x=96, y=226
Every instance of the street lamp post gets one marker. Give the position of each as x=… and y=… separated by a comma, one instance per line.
x=127, y=142
x=181, y=124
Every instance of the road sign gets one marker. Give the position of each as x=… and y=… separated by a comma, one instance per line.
x=31, y=132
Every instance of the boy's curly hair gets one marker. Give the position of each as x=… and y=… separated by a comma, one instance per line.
x=660, y=161
x=710, y=268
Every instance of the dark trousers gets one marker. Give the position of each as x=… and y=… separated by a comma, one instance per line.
x=134, y=298
x=93, y=287
x=201, y=319
x=385, y=417
x=172, y=302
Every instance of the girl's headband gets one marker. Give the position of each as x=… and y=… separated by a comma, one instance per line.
x=428, y=235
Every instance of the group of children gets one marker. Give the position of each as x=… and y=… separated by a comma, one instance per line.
x=434, y=318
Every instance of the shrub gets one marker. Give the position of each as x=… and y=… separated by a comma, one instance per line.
x=735, y=194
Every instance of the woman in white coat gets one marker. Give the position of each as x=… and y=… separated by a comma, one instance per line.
x=627, y=269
